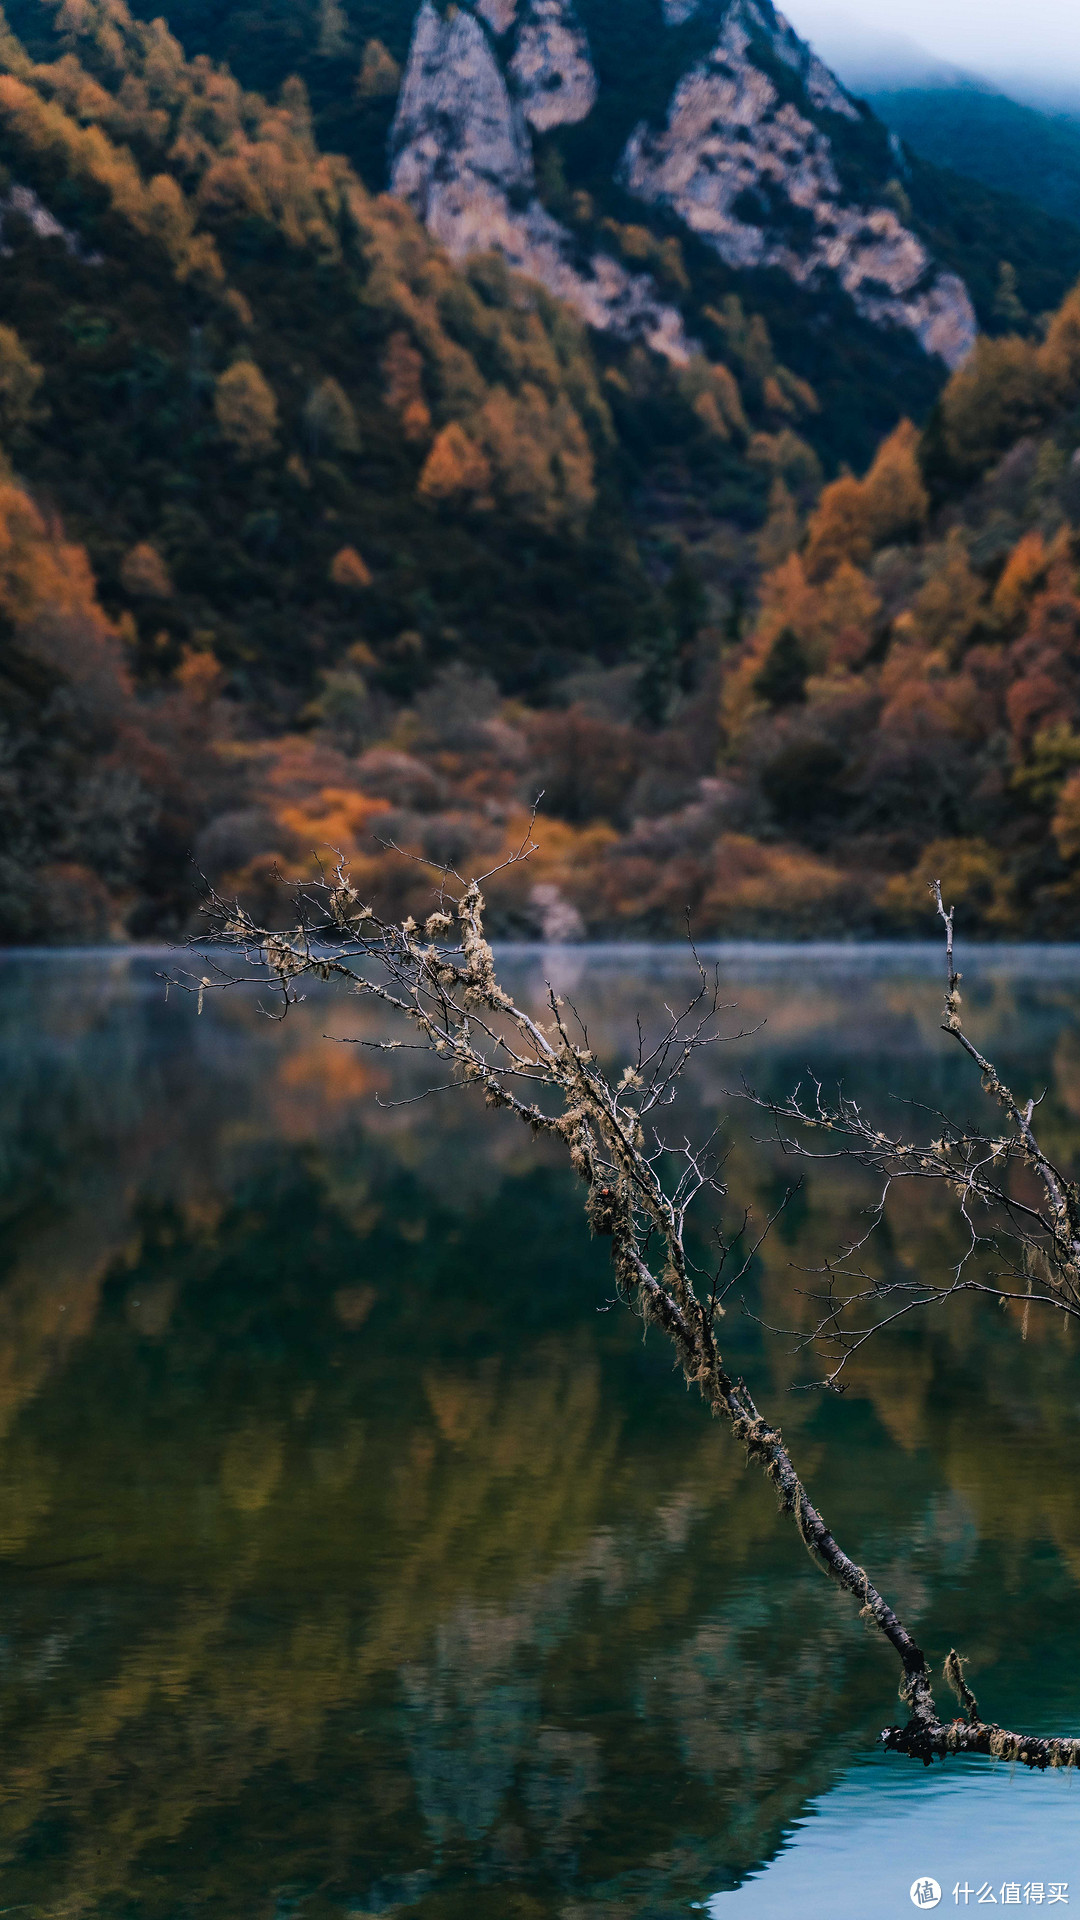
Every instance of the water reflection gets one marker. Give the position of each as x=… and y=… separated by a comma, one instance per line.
x=352, y=1563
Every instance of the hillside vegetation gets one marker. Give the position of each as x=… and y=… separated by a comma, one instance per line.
x=245, y=360
x=901, y=701
x=309, y=539
x=350, y=55
x=981, y=133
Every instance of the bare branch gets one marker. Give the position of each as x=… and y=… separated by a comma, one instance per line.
x=441, y=980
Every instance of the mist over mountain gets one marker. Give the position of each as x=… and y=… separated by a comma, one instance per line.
x=1031, y=54
x=1000, y=134
x=869, y=58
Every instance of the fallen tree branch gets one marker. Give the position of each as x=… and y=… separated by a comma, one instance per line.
x=442, y=981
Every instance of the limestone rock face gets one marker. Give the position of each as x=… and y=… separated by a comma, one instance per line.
x=822, y=88
x=457, y=138
x=499, y=14
x=552, y=66
x=25, y=202
x=732, y=149
x=775, y=32
x=745, y=159
x=461, y=156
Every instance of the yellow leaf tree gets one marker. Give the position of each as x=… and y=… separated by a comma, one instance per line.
x=246, y=410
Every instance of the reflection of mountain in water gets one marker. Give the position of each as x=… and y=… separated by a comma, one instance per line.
x=351, y=1560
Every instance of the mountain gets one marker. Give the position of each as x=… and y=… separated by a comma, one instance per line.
x=250, y=360
x=866, y=57
x=552, y=129
x=1033, y=59
x=900, y=702
x=758, y=154
x=330, y=512
x=979, y=132
x=953, y=117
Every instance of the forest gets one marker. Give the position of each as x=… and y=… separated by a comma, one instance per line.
x=312, y=540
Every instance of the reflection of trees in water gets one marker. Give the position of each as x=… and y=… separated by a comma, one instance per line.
x=399, y=1600
x=746, y=1703
x=132, y=1716
x=724, y=1692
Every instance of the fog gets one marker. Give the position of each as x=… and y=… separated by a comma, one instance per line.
x=1030, y=51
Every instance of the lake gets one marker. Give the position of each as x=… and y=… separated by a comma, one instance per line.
x=358, y=1558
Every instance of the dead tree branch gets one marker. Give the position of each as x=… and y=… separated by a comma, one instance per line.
x=441, y=981
x=1021, y=1211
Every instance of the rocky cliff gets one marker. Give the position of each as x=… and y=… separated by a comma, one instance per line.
x=462, y=155
x=760, y=154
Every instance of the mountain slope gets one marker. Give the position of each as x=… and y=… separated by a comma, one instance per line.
x=165, y=230
x=318, y=531
x=907, y=702
x=979, y=132
x=575, y=168
x=902, y=704
x=901, y=701
x=955, y=118
x=397, y=425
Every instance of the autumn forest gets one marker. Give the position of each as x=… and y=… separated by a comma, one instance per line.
x=312, y=540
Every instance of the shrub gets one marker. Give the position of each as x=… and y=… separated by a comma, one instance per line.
x=455, y=472
x=246, y=410
x=348, y=570
x=143, y=573
x=330, y=419
x=20, y=378
x=973, y=877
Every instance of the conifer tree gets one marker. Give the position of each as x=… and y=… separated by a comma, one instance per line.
x=330, y=419
x=246, y=410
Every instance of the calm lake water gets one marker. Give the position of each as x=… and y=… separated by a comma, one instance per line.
x=354, y=1561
